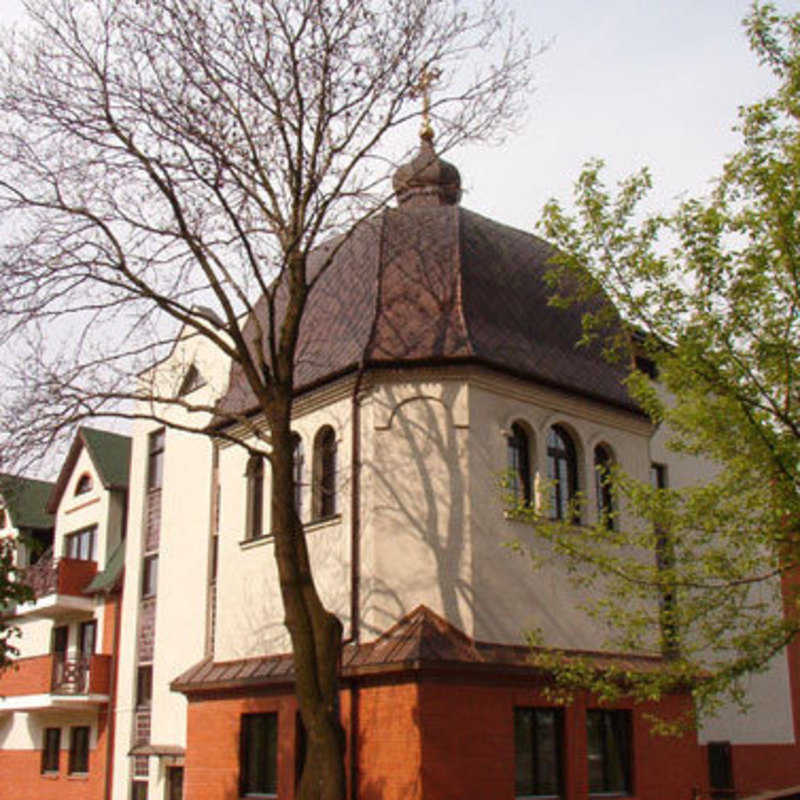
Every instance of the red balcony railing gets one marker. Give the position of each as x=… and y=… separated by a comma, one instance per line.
x=80, y=675
x=57, y=675
x=63, y=576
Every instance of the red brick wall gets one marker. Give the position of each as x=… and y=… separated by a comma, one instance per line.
x=212, y=752
x=20, y=773
x=468, y=744
x=389, y=742
x=27, y=676
x=436, y=740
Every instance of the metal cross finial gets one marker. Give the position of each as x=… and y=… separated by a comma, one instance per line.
x=428, y=76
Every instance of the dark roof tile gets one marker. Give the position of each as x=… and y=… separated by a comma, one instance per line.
x=438, y=284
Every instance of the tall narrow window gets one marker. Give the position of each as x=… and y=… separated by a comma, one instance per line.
x=258, y=768
x=609, y=751
x=562, y=471
x=88, y=637
x=79, y=749
x=144, y=686
x=324, y=483
x=155, y=460
x=602, y=475
x=255, y=497
x=519, y=464
x=150, y=575
x=298, y=470
x=665, y=564
x=538, y=744
x=720, y=770
x=51, y=747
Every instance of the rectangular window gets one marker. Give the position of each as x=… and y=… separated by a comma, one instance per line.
x=155, y=460
x=139, y=790
x=144, y=685
x=658, y=476
x=609, y=751
x=88, y=638
x=59, y=640
x=258, y=776
x=149, y=575
x=720, y=770
x=79, y=749
x=51, y=747
x=538, y=743
x=80, y=545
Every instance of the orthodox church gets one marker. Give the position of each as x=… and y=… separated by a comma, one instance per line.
x=429, y=364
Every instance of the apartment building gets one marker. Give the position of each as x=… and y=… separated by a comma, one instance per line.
x=56, y=721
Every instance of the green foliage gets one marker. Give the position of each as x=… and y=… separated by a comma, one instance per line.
x=711, y=293
x=12, y=591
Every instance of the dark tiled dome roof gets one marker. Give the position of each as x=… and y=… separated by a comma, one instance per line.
x=437, y=284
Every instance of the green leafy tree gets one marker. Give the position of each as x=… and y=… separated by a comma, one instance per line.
x=12, y=592
x=710, y=292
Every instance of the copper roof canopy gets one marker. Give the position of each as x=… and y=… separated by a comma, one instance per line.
x=431, y=283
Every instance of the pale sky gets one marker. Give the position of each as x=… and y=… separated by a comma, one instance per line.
x=636, y=82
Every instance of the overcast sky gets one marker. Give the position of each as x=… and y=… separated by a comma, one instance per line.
x=632, y=81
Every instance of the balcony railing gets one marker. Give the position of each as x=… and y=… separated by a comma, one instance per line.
x=55, y=681
x=42, y=577
x=70, y=675
x=63, y=576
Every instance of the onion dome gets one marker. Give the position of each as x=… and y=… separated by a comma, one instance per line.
x=427, y=180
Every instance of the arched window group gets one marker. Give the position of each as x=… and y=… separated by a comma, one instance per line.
x=562, y=472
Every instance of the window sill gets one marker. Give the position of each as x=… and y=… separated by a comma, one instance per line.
x=256, y=541
x=323, y=522
x=308, y=527
x=50, y=775
x=78, y=776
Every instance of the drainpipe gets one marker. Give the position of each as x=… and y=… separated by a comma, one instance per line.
x=111, y=726
x=355, y=568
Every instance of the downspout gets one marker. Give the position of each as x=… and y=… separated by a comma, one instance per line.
x=355, y=517
x=355, y=569
x=112, y=701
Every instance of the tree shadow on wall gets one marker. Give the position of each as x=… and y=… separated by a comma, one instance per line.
x=419, y=476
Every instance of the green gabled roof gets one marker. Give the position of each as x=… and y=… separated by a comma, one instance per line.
x=26, y=500
x=107, y=579
x=110, y=454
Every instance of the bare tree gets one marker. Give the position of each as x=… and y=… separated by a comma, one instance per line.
x=169, y=162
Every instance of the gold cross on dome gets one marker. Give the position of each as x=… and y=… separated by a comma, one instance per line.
x=427, y=77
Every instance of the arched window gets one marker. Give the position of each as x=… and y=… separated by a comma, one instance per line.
x=562, y=471
x=324, y=482
x=298, y=459
x=605, y=499
x=255, y=497
x=84, y=484
x=519, y=463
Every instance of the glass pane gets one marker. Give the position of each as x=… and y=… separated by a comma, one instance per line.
x=546, y=752
x=523, y=751
x=594, y=730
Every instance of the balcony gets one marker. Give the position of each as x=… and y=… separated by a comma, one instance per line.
x=55, y=682
x=58, y=586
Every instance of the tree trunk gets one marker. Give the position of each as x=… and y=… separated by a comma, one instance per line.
x=316, y=634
